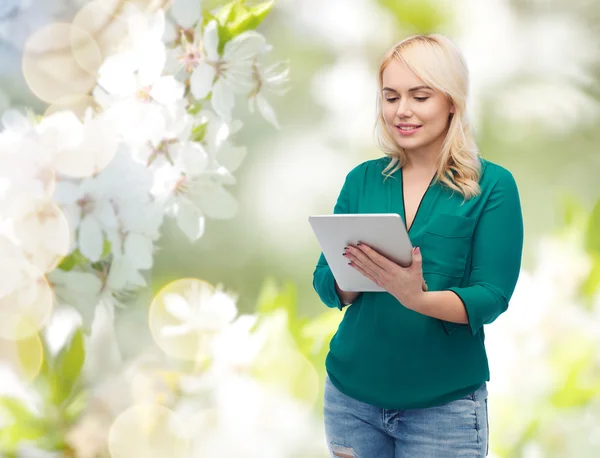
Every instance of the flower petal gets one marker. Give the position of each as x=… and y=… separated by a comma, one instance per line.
x=190, y=221
x=230, y=156
x=223, y=100
x=177, y=306
x=116, y=74
x=90, y=239
x=170, y=34
x=201, y=80
x=266, y=110
x=152, y=63
x=186, y=12
x=177, y=330
x=193, y=158
x=243, y=47
x=217, y=203
x=105, y=213
x=139, y=249
x=211, y=41
x=167, y=90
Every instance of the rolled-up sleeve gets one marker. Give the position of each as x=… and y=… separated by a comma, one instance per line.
x=323, y=280
x=496, y=255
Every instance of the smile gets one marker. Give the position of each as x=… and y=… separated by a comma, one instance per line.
x=407, y=130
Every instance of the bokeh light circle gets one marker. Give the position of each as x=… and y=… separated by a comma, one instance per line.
x=60, y=60
x=149, y=431
x=192, y=346
x=101, y=20
x=29, y=356
x=97, y=150
x=45, y=236
x=26, y=310
x=78, y=104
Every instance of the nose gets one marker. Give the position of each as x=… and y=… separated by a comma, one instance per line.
x=404, y=110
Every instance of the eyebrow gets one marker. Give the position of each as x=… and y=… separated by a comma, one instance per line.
x=412, y=89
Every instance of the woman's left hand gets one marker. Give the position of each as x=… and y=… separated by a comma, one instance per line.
x=404, y=283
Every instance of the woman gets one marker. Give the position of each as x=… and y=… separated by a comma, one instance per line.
x=407, y=368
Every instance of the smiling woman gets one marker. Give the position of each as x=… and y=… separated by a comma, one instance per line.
x=407, y=367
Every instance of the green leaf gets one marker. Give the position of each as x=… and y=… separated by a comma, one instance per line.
x=261, y=10
x=67, y=263
x=73, y=260
x=195, y=107
x=591, y=285
x=106, y=248
x=76, y=407
x=592, y=238
x=259, y=13
x=42, y=383
x=67, y=368
x=21, y=424
x=271, y=298
x=198, y=132
x=574, y=360
x=225, y=14
x=421, y=16
x=249, y=19
x=574, y=212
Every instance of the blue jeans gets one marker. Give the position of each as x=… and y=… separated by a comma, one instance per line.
x=359, y=430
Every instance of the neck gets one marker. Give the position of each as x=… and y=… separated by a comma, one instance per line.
x=425, y=159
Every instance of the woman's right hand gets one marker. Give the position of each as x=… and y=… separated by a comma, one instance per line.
x=347, y=297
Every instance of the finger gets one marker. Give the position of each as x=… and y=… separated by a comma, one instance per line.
x=363, y=259
x=378, y=259
x=363, y=262
x=424, y=285
x=417, y=261
x=366, y=274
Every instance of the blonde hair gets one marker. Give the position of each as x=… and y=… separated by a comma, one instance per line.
x=437, y=61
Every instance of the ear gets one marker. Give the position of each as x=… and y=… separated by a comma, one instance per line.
x=452, y=109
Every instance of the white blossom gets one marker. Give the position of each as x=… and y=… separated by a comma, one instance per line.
x=232, y=70
x=268, y=79
x=199, y=309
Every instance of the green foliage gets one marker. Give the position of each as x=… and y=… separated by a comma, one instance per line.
x=592, y=244
x=309, y=337
x=574, y=359
x=236, y=17
x=76, y=259
x=63, y=400
x=593, y=231
x=198, y=132
x=574, y=212
x=67, y=368
x=19, y=424
x=418, y=16
x=73, y=260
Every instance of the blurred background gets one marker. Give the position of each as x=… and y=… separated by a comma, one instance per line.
x=535, y=106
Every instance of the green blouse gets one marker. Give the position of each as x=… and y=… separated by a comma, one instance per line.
x=389, y=356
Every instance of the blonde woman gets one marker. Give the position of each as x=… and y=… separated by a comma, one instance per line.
x=407, y=368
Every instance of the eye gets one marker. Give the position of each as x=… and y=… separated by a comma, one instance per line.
x=392, y=100
x=421, y=99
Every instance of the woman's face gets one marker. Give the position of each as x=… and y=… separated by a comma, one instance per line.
x=416, y=117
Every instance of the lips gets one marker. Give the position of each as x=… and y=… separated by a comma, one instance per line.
x=407, y=129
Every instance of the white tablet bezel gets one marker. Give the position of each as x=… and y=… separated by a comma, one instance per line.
x=384, y=232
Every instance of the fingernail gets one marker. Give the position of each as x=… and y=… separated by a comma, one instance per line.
x=417, y=250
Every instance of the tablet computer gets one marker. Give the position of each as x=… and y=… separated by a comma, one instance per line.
x=384, y=232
